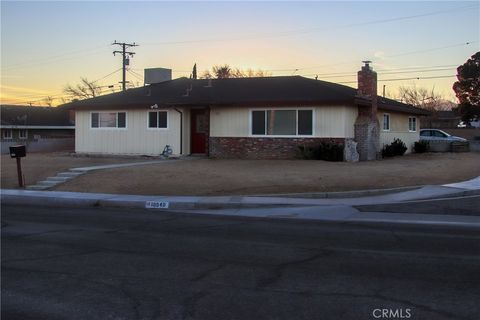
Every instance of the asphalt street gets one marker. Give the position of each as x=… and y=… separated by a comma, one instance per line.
x=464, y=205
x=100, y=263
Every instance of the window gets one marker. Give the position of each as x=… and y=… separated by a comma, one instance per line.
x=22, y=133
x=282, y=122
x=109, y=120
x=412, y=124
x=7, y=134
x=157, y=119
x=386, y=122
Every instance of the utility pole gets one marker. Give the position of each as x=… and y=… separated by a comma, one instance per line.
x=126, y=60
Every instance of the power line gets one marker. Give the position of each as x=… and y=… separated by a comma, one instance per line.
x=349, y=74
x=136, y=76
x=402, y=79
x=43, y=97
x=433, y=49
x=397, y=55
x=107, y=75
x=52, y=59
x=308, y=30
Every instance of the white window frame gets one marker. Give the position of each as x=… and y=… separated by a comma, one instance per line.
x=383, y=122
x=20, y=134
x=148, y=120
x=296, y=109
x=412, y=120
x=7, y=137
x=116, y=120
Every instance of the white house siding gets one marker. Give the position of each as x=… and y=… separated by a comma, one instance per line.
x=137, y=138
x=329, y=121
x=398, y=129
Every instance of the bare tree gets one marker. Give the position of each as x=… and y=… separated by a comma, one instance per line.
x=225, y=71
x=424, y=98
x=48, y=101
x=84, y=90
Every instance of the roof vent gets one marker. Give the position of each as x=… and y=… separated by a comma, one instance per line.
x=157, y=75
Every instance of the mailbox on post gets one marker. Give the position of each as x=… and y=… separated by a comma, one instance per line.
x=18, y=152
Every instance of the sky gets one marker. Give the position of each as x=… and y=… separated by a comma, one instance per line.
x=47, y=45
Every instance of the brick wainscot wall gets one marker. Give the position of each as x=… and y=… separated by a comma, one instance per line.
x=261, y=148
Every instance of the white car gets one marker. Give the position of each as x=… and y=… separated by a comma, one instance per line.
x=436, y=134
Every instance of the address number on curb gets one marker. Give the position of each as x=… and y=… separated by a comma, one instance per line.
x=156, y=204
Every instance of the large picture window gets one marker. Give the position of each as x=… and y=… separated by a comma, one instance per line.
x=157, y=119
x=280, y=122
x=109, y=120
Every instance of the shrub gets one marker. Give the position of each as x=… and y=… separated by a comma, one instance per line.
x=421, y=146
x=396, y=148
x=328, y=151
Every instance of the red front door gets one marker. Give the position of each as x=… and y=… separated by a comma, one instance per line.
x=198, y=130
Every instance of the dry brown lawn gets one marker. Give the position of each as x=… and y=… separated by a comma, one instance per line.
x=248, y=177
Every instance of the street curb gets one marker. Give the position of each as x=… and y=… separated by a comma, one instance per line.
x=341, y=194
x=73, y=199
x=115, y=201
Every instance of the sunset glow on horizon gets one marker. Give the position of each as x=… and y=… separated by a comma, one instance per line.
x=47, y=45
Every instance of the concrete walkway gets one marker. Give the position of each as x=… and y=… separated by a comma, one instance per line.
x=330, y=209
x=75, y=172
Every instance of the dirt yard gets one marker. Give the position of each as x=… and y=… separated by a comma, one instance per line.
x=248, y=177
x=39, y=166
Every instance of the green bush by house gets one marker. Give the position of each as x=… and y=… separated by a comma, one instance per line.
x=396, y=148
x=328, y=151
x=421, y=146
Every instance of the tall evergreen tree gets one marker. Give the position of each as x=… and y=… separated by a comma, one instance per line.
x=467, y=88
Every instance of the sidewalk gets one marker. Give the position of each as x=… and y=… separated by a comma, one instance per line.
x=330, y=209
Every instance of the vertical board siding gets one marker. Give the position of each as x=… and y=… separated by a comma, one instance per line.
x=398, y=129
x=329, y=121
x=229, y=122
x=137, y=138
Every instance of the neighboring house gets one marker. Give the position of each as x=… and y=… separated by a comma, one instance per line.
x=441, y=120
x=256, y=118
x=39, y=128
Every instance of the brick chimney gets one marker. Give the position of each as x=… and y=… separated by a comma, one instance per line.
x=367, y=134
x=367, y=87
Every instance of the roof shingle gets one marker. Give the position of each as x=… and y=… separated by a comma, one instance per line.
x=286, y=90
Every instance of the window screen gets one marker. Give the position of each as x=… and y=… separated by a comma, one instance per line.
x=305, y=122
x=258, y=122
x=162, y=119
x=157, y=119
x=122, y=120
x=94, y=120
x=152, y=120
x=386, y=122
x=412, y=124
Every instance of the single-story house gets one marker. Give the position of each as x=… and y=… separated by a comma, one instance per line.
x=39, y=128
x=441, y=120
x=256, y=118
